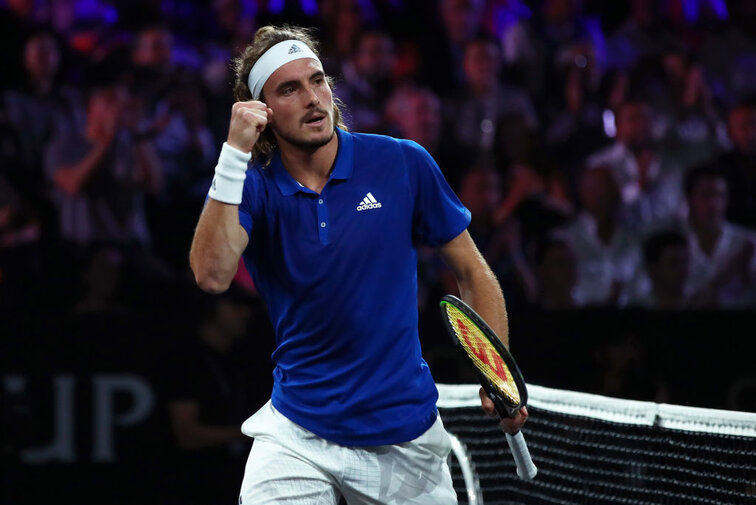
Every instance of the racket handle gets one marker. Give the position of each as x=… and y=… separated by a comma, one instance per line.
x=526, y=470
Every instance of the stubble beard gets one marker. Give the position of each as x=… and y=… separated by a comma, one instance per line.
x=308, y=144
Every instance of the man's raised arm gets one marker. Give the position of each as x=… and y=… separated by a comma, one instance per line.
x=219, y=239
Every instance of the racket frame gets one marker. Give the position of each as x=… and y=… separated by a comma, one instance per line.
x=504, y=407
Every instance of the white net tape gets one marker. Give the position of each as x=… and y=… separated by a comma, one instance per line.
x=673, y=417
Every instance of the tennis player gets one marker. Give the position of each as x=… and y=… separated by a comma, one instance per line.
x=327, y=223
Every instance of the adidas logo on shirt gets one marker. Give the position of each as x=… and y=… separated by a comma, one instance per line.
x=369, y=202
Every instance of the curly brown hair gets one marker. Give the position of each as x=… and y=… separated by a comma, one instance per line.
x=265, y=38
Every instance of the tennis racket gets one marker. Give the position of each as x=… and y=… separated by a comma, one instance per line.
x=496, y=368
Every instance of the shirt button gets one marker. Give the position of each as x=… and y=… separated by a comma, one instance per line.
x=322, y=225
x=320, y=201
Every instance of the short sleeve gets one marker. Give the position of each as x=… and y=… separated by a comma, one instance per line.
x=439, y=215
x=251, y=202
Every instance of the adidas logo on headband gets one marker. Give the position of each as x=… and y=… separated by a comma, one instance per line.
x=294, y=49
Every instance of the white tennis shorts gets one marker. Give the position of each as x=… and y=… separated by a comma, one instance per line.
x=289, y=465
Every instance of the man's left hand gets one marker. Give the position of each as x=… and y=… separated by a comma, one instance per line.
x=509, y=425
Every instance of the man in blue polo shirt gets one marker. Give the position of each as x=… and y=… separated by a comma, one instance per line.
x=327, y=223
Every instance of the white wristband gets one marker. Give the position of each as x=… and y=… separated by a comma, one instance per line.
x=230, y=172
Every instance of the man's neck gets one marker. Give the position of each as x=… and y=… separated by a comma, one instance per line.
x=310, y=168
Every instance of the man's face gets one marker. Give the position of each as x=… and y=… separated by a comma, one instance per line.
x=302, y=104
x=741, y=125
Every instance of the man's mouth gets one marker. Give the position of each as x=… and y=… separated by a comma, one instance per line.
x=316, y=119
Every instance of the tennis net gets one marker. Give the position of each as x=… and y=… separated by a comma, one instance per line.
x=591, y=449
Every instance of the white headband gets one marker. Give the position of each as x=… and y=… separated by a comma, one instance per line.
x=273, y=59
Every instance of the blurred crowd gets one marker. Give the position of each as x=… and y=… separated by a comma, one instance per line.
x=607, y=150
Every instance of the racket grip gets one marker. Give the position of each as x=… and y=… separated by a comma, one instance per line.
x=526, y=470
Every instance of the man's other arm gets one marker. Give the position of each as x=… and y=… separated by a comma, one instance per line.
x=479, y=288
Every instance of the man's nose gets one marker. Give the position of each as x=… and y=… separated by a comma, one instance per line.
x=312, y=97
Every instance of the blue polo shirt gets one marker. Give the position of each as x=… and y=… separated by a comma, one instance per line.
x=338, y=272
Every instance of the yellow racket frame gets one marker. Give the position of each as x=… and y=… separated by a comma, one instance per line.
x=483, y=353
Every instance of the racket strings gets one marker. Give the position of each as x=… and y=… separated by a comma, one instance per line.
x=483, y=354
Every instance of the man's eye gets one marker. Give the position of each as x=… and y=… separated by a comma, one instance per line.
x=288, y=91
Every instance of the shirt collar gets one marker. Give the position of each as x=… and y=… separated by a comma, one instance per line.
x=342, y=167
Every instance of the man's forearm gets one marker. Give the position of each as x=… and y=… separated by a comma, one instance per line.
x=219, y=241
x=483, y=293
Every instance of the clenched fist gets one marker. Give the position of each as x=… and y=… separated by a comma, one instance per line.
x=248, y=120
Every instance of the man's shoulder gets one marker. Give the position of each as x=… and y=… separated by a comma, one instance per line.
x=373, y=139
x=388, y=143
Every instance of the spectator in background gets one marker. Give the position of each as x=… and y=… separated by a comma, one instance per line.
x=607, y=252
x=343, y=21
x=739, y=164
x=650, y=181
x=99, y=176
x=366, y=82
x=573, y=117
x=16, y=20
x=473, y=114
x=22, y=268
x=35, y=111
x=568, y=36
x=663, y=284
x=175, y=109
x=728, y=55
x=150, y=59
x=413, y=112
x=537, y=191
x=175, y=122
x=209, y=387
x=231, y=27
x=523, y=54
x=501, y=245
x=442, y=48
x=723, y=263
x=556, y=270
x=639, y=38
x=686, y=123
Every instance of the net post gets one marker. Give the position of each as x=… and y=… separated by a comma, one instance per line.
x=472, y=485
